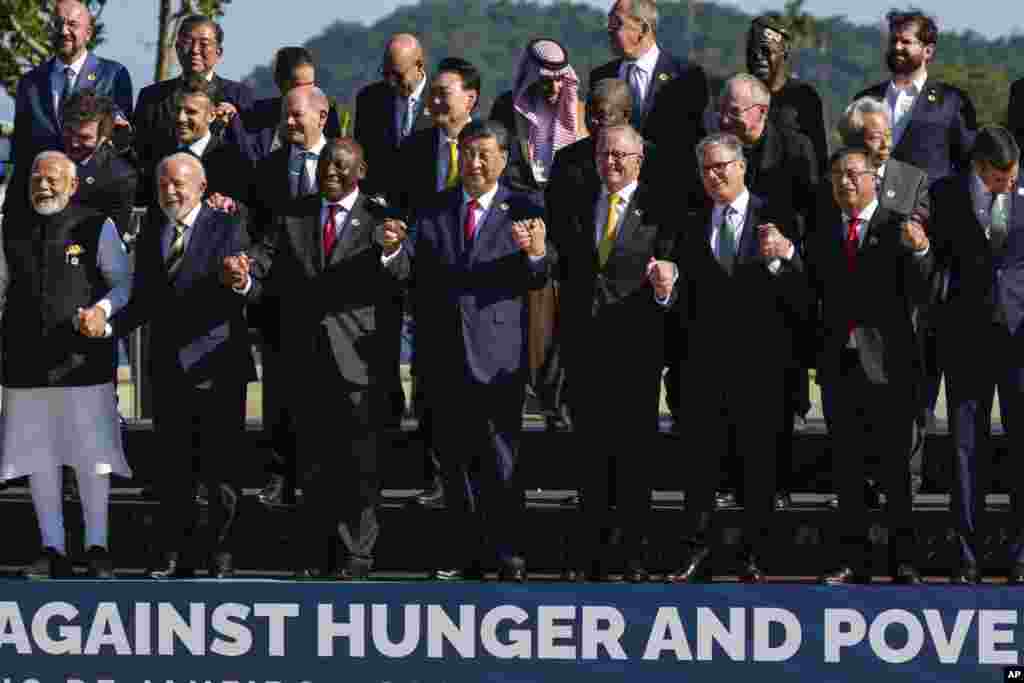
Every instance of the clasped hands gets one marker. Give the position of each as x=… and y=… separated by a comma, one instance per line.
x=91, y=322
x=772, y=244
x=235, y=272
x=391, y=235
x=913, y=235
x=531, y=236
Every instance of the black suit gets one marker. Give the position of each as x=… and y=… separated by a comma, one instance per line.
x=330, y=337
x=107, y=183
x=611, y=337
x=200, y=362
x=797, y=106
x=155, y=115
x=375, y=129
x=734, y=384
x=873, y=385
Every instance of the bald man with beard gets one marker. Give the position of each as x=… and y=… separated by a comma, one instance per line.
x=390, y=109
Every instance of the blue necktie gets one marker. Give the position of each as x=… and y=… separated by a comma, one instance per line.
x=300, y=182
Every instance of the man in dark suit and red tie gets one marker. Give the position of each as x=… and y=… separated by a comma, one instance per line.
x=44, y=90
x=742, y=294
x=870, y=270
x=332, y=260
x=480, y=248
x=611, y=334
x=978, y=220
x=200, y=362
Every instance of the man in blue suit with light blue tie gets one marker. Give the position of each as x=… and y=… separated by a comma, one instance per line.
x=479, y=248
x=43, y=91
x=978, y=221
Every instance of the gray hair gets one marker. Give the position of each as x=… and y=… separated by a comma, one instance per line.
x=69, y=165
x=191, y=159
x=645, y=11
x=727, y=140
x=632, y=136
x=758, y=91
x=610, y=89
x=851, y=125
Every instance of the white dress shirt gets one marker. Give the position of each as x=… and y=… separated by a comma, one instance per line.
x=57, y=76
x=482, y=210
x=199, y=146
x=644, y=72
x=981, y=198
x=601, y=210
x=736, y=221
x=345, y=203
x=901, y=103
x=317, y=149
x=402, y=105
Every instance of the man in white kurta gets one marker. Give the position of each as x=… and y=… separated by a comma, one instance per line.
x=68, y=272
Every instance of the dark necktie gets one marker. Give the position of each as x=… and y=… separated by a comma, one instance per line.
x=301, y=184
x=65, y=93
x=330, y=232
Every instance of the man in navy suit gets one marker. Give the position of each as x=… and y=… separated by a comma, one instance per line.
x=293, y=67
x=669, y=94
x=44, y=90
x=978, y=221
x=200, y=363
x=1016, y=110
x=480, y=248
x=933, y=123
x=200, y=47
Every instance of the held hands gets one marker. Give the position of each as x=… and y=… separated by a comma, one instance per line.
x=772, y=243
x=222, y=203
x=391, y=235
x=913, y=236
x=92, y=322
x=661, y=275
x=225, y=111
x=235, y=273
x=530, y=236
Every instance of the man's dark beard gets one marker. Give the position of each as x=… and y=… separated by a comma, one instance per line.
x=909, y=66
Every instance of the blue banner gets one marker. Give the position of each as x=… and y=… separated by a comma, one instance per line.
x=390, y=632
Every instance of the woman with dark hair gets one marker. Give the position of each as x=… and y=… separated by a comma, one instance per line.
x=542, y=114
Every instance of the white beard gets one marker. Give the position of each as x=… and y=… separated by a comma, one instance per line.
x=50, y=205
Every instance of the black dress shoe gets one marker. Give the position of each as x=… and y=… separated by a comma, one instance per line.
x=433, y=496
x=221, y=566
x=304, y=574
x=512, y=569
x=636, y=575
x=170, y=568
x=357, y=569
x=50, y=565
x=965, y=575
x=842, y=576
x=457, y=575
x=872, y=495
x=783, y=500
x=906, y=575
x=697, y=571
x=1016, y=575
x=725, y=499
x=273, y=492
x=574, y=575
x=101, y=566
x=751, y=573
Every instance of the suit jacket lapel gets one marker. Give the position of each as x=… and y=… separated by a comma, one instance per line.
x=87, y=79
x=663, y=73
x=195, y=250
x=747, y=251
x=495, y=215
x=356, y=221
x=46, y=93
x=523, y=133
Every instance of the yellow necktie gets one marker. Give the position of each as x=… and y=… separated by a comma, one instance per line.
x=453, y=165
x=604, y=249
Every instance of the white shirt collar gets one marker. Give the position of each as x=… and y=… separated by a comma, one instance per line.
x=484, y=200
x=443, y=136
x=317, y=149
x=625, y=194
x=417, y=94
x=199, y=146
x=915, y=87
x=346, y=202
x=648, y=61
x=866, y=213
x=76, y=66
x=739, y=205
x=190, y=217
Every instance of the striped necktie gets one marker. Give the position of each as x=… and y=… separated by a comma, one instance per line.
x=176, y=252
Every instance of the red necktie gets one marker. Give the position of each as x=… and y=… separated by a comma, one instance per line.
x=330, y=235
x=469, y=227
x=852, y=244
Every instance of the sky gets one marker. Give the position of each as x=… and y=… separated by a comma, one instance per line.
x=252, y=36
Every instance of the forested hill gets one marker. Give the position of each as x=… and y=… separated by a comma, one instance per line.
x=838, y=57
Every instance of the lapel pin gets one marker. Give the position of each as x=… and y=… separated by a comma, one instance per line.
x=873, y=241
x=663, y=77
x=355, y=222
x=637, y=212
x=503, y=206
x=91, y=77
x=89, y=180
x=74, y=260
x=890, y=193
x=1020, y=191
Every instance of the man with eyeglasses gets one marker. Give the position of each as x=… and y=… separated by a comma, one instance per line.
x=200, y=48
x=606, y=240
x=742, y=295
x=669, y=94
x=869, y=269
x=43, y=92
x=978, y=225
x=390, y=110
x=933, y=123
